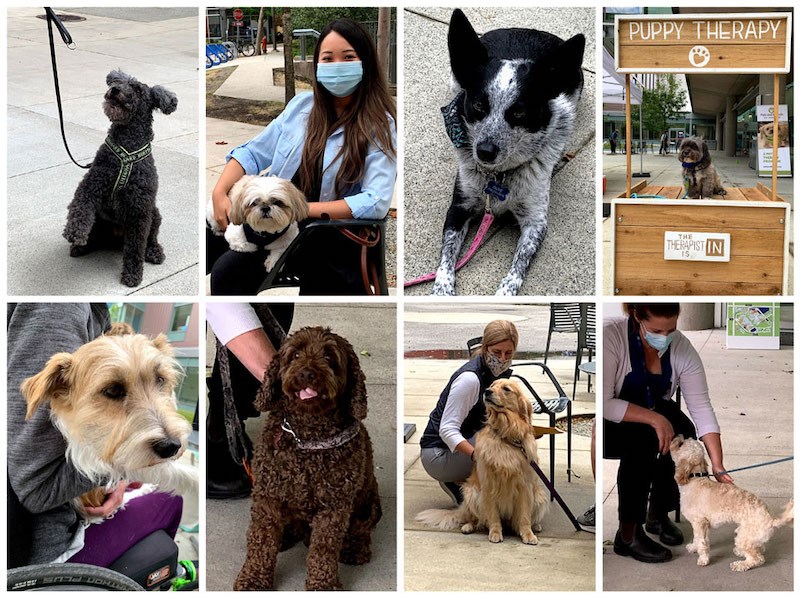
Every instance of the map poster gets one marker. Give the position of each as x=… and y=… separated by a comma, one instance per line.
x=754, y=326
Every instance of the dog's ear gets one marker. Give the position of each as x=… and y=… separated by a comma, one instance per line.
x=562, y=65
x=271, y=391
x=237, y=203
x=706, y=155
x=683, y=468
x=48, y=385
x=163, y=99
x=117, y=76
x=162, y=344
x=356, y=381
x=120, y=329
x=467, y=54
x=297, y=201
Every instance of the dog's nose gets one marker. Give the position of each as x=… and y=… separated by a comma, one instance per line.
x=166, y=447
x=265, y=211
x=487, y=151
x=307, y=376
x=488, y=392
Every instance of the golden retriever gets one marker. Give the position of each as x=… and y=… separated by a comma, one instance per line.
x=503, y=487
x=706, y=504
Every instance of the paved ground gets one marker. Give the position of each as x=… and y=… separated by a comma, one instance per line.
x=565, y=264
x=665, y=170
x=159, y=47
x=252, y=80
x=369, y=328
x=435, y=560
x=752, y=395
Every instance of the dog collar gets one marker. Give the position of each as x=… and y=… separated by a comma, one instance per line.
x=694, y=165
x=341, y=438
x=258, y=237
x=699, y=475
x=126, y=160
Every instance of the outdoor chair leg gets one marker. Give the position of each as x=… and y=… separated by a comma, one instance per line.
x=569, y=442
x=552, y=456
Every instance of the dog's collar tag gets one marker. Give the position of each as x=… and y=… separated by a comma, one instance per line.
x=496, y=189
x=454, y=121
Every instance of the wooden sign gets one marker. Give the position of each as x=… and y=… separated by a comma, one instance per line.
x=712, y=43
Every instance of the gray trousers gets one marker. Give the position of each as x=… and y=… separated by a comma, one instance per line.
x=445, y=466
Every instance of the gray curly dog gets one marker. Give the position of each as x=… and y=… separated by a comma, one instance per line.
x=117, y=196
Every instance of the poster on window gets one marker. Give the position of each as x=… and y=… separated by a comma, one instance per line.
x=766, y=132
x=754, y=326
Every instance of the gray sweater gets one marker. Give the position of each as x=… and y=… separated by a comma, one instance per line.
x=39, y=474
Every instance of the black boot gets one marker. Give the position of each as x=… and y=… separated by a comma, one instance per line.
x=641, y=548
x=225, y=478
x=661, y=525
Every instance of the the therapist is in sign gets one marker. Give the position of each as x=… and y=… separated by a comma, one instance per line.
x=697, y=247
x=714, y=43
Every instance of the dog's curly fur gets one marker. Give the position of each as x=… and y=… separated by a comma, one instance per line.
x=502, y=486
x=96, y=216
x=703, y=178
x=329, y=497
x=706, y=504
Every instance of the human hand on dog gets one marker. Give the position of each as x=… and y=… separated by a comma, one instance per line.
x=112, y=502
x=722, y=476
x=222, y=209
x=664, y=431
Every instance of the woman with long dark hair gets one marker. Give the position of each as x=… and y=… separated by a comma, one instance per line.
x=337, y=144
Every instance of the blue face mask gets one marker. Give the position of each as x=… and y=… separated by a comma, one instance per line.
x=340, y=78
x=659, y=342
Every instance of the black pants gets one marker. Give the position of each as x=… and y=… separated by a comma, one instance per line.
x=642, y=469
x=244, y=386
x=327, y=263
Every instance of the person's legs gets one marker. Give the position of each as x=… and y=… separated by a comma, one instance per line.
x=448, y=468
x=587, y=520
x=104, y=543
x=237, y=273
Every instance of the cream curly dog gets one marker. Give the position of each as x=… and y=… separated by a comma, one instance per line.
x=706, y=504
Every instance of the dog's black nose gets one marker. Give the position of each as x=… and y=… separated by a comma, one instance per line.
x=487, y=151
x=166, y=447
x=307, y=376
x=265, y=211
x=487, y=393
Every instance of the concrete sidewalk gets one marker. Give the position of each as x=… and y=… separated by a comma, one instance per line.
x=371, y=328
x=159, y=47
x=251, y=79
x=752, y=394
x=666, y=170
x=565, y=263
x=438, y=560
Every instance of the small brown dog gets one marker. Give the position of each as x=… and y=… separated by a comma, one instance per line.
x=706, y=504
x=313, y=468
x=502, y=486
x=113, y=401
x=700, y=177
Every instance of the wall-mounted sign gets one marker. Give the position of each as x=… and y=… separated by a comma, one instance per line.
x=766, y=131
x=714, y=43
x=697, y=247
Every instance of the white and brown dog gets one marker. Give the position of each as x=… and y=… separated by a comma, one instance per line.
x=113, y=400
x=706, y=504
x=264, y=215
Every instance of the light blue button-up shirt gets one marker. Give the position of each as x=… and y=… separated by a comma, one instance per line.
x=279, y=147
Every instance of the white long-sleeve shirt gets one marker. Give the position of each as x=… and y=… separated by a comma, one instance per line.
x=687, y=371
x=229, y=320
x=464, y=393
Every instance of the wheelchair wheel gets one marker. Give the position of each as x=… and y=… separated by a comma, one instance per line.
x=68, y=576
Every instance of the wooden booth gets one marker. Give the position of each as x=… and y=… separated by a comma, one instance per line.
x=736, y=244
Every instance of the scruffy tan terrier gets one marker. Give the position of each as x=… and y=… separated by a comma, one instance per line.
x=113, y=400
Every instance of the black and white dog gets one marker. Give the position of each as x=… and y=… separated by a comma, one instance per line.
x=516, y=96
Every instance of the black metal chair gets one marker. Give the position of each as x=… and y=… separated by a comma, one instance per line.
x=373, y=257
x=586, y=341
x=564, y=318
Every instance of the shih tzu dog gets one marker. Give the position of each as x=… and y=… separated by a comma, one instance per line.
x=700, y=177
x=264, y=215
x=113, y=400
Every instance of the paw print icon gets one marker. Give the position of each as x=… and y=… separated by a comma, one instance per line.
x=699, y=56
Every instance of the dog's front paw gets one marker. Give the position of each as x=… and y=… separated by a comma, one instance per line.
x=75, y=236
x=495, y=536
x=154, y=254
x=322, y=585
x=528, y=537
x=740, y=566
x=79, y=250
x=467, y=528
x=246, y=582
x=131, y=279
x=702, y=560
x=509, y=286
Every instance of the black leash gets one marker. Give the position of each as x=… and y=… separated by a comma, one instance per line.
x=708, y=475
x=52, y=18
x=234, y=430
x=557, y=496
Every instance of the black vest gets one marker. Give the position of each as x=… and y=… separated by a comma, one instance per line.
x=475, y=419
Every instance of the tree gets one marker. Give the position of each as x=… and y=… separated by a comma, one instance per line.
x=384, y=34
x=260, y=31
x=660, y=104
x=288, y=55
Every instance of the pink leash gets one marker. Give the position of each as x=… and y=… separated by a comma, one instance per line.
x=480, y=236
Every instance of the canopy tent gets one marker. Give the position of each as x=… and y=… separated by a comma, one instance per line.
x=614, y=86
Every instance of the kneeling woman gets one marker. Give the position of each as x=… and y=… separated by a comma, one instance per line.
x=337, y=145
x=449, y=438
x=645, y=359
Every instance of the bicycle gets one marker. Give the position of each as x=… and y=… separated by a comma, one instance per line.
x=245, y=46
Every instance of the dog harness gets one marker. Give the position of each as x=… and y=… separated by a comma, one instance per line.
x=126, y=161
x=341, y=438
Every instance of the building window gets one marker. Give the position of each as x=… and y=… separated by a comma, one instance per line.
x=128, y=313
x=181, y=315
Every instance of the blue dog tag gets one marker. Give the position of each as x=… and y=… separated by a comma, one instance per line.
x=496, y=189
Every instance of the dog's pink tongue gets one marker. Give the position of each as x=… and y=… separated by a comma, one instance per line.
x=307, y=393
